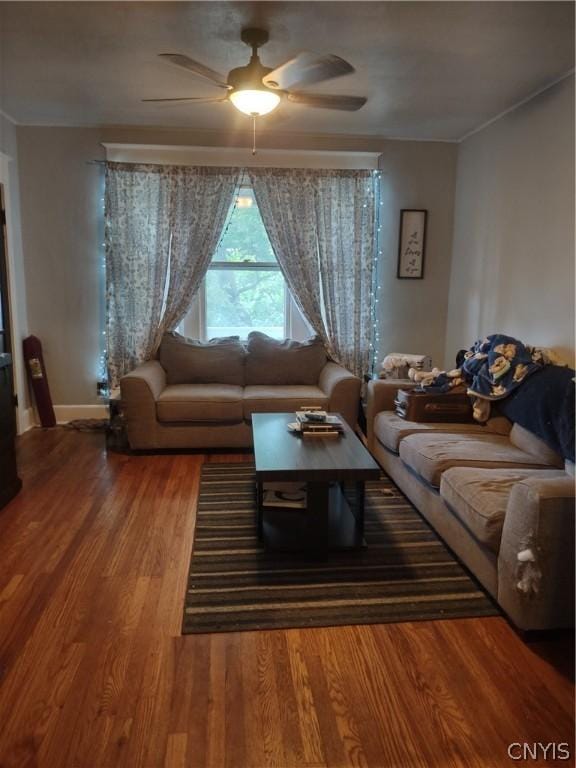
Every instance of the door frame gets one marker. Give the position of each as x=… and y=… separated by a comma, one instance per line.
x=23, y=415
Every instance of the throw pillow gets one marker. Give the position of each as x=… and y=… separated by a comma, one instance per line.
x=187, y=361
x=270, y=361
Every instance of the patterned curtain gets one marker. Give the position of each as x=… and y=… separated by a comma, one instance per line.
x=287, y=201
x=345, y=220
x=162, y=227
x=201, y=200
x=321, y=224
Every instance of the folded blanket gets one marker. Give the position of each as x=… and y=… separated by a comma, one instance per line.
x=396, y=365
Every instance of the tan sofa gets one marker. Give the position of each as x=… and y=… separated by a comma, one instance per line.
x=497, y=495
x=199, y=395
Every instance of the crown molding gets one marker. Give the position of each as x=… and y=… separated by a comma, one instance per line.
x=8, y=117
x=239, y=156
x=515, y=106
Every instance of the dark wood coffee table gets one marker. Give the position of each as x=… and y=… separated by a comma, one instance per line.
x=326, y=466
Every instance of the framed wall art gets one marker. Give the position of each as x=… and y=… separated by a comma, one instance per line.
x=411, y=244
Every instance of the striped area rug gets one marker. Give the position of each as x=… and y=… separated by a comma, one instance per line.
x=405, y=573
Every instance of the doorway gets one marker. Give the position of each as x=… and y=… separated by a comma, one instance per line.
x=9, y=481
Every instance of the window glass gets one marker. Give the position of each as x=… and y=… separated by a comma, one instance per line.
x=244, y=237
x=239, y=301
x=244, y=287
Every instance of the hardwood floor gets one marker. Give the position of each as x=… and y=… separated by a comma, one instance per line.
x=94, y=673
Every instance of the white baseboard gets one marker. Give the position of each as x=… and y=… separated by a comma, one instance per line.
x=66, y=413
x=26, y=420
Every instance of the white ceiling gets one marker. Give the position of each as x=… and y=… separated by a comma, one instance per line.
x=430, y=70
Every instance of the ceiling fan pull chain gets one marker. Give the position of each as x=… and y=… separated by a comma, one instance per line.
x=253, y=134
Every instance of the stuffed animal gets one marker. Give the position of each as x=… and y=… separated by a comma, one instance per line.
x=425, y=378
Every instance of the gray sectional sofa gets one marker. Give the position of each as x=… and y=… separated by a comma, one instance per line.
x=202, y=395
x=498, y=496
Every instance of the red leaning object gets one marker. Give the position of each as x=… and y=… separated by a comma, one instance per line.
x=32, y=347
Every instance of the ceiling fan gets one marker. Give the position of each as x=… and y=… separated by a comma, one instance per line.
x=256, y=90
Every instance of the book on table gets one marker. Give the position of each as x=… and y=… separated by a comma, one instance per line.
x=287, y=495
x=329, y=423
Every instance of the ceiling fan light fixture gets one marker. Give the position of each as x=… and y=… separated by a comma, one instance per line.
x=255, y=102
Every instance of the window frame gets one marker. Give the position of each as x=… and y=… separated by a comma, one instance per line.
x=194, y=323
x=243, y=266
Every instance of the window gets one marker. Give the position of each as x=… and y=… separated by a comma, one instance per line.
x=244, y=289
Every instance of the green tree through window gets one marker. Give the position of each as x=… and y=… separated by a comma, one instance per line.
x=245, y=289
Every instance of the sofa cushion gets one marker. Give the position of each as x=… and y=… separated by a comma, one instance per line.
x=281, y=399
x=430, y=455
x=269, y=361
x=527, y=441
x=390, y=429
x=200, y=402
x=187, y=361
x=479, y=497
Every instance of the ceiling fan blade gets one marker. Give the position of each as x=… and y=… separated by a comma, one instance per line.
x=186, y=62
x=306, y=69
x=190, y=100
x=328, y=101
x=186, y=100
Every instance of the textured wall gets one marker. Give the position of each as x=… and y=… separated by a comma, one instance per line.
x=412, y=313
x=60, y=230
x=60, y=194
x=513, y=254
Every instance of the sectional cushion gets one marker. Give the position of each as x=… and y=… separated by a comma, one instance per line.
x=270, y=361
x=430, y=455
x=390, y=429
x=529, y=442
x=187, y=361
x=479, y=497
x=281, y=399
x=200, y=402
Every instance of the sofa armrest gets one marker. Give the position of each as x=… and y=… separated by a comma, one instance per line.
x=139, y=391
x=343, y=389
x=380, y=397
x=536, y=558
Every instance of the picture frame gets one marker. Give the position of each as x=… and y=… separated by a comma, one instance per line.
x=412, y=243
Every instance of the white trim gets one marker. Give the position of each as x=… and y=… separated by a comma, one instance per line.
x=515, y=106
x=19, y=374
x=236, y=156
x=66, y=413
x=27, y=420
x=8, y=117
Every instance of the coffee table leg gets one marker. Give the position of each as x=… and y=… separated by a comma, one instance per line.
x=360, y=508
x=259, y=510
x=318, y=513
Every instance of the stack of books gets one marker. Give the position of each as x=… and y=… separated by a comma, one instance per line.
x=319, y=424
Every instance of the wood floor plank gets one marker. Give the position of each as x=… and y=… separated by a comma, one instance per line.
x=94, y=673
x=341, y=703
x=307, y=717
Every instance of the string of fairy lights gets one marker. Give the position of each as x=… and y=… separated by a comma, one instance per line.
x=373, y=195
x=376, y=289
x=103, y=386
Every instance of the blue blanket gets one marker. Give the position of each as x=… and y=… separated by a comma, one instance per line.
x=495, y=366
x=545, y=406
x=492, y=368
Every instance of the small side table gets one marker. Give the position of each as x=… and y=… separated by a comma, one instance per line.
x=116, y=437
